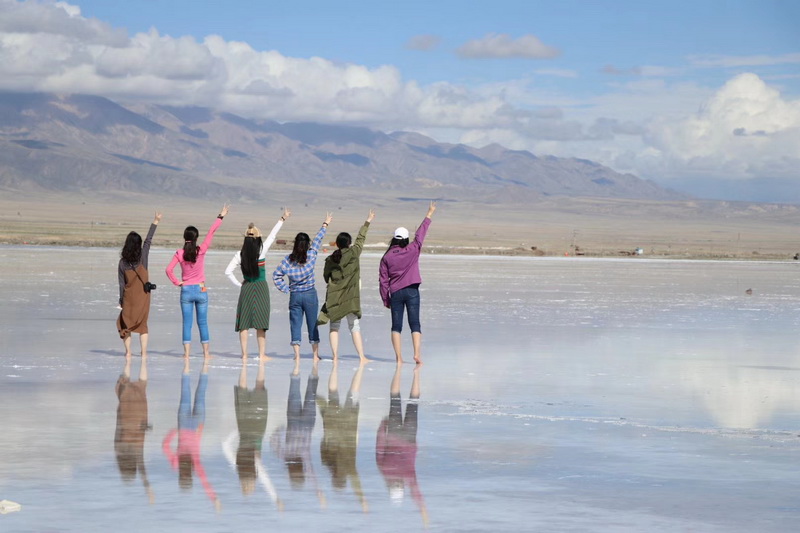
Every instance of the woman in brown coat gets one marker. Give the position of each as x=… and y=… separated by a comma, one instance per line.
x=134, y=288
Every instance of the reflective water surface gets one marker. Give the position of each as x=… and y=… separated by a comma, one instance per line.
x=556, y=395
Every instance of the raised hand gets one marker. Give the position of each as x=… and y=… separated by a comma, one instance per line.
x=431, y=209
x=157, y=218
x=328, y=218
x=371, y=215
x=286, y=213
x=224, y=210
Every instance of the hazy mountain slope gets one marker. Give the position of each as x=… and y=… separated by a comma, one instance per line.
x=89, y=143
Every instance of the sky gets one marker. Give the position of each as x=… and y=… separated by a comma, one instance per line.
x=669, y=91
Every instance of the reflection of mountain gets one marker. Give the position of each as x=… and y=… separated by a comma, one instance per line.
x=85, y=143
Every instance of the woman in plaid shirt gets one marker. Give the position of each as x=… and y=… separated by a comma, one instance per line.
x=298, y=268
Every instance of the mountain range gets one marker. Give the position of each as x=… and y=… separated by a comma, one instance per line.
x=86, y=144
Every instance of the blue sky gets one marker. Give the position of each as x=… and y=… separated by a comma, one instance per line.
x=665, y=90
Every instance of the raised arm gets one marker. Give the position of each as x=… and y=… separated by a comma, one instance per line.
x=149, y=239
x=206, y=244
x=321, y=233
x=358, y=246
x=274, y=233
x=422, y=230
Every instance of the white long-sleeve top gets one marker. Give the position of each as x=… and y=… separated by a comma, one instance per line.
x=236, y=262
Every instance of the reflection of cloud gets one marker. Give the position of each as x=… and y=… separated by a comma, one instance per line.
x=742, y=397
x=423, y=42
x=501, y=45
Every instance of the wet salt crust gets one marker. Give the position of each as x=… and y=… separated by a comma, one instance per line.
x=556, y=395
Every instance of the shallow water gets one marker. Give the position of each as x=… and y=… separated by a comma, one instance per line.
x=556, y=395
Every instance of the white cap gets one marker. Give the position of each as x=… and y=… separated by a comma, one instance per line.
x=401, y=233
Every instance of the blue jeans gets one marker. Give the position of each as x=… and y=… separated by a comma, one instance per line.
x=189, y=418
x=193, y=297
x=406, y=299
x=304, y=303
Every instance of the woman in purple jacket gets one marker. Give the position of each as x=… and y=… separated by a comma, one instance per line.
x=399, y=283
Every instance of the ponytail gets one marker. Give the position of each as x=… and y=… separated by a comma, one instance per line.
x=343, y=241
x=190, y=235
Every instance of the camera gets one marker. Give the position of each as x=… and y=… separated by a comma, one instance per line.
x=149, y=286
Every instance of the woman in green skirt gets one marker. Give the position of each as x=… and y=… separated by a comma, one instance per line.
x=252, y=311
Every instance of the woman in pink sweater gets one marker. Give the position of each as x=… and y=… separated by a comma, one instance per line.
x=193, y=281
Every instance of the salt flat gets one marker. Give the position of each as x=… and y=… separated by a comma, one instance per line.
x=556, y=395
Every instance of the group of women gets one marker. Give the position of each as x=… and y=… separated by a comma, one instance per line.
x=399, y=278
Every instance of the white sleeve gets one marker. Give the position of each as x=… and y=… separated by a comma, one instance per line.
x=235, y=263
x=271, y=238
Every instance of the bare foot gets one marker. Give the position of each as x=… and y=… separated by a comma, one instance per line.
x=264, y=358
x=364, y=360
x=418, y=361
x=128, y=355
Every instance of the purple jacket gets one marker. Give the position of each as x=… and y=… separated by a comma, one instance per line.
x=400, y=266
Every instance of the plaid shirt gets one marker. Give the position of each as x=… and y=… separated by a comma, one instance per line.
x=301, y=277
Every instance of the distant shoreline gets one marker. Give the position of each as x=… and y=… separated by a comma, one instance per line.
x=461, y=250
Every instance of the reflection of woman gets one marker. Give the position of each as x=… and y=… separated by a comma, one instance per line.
x=134, y=300
x=399, y=283
x=298, y=267
x=396, y=446
x=132, y=425
x=343, y=298
x=186, y=458
x=251, y=420
x=192, y=259
x=340, y=439
x=292, y=442
x=252, y=310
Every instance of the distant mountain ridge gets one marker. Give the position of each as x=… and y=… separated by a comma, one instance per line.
x=90, y=143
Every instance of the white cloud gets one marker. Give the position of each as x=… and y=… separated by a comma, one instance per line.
x=557, y=72
x=745, y=130
x=645, y=70
x=501, y=45
x=649, y=126
x=423, y=42
x=714, y=60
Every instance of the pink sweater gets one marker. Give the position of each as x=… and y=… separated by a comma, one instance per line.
x=188, y=444
x=193, y=273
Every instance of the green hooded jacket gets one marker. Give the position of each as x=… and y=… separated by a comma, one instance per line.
x=344, y=282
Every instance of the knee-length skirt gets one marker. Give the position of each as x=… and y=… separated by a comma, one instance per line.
x=252, y=311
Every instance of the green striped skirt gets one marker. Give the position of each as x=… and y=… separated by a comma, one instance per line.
x=252, y=311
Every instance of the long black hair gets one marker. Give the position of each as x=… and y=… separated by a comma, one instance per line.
x=300, y=250
x=343, y=241
x=190, y=235
x=251, y=250
x=132, y=249
x=402, y=243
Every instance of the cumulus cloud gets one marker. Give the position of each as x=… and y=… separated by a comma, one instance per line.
x=423, y=42
x=51, y=47
x=501, y=45
x=745, y=130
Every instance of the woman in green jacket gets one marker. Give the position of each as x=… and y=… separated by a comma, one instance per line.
x=343, y=299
